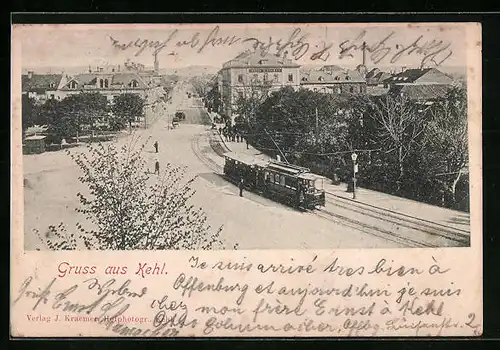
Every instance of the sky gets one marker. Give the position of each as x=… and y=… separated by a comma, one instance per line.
x=208, y=44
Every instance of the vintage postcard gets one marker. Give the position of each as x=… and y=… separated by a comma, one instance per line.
x=238, y=180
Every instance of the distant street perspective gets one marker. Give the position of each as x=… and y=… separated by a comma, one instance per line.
x=260, y=152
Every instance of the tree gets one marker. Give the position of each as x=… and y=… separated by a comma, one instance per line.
x=61, y=122
x=129, y=208
x=399, y=127
x=446, y=144
x=249, y=99
x=29, y=117
x=127, y=108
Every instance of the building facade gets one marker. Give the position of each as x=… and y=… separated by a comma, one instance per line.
x=421, y=85
x=333, y=80
x=42, y=87
x=253, y=73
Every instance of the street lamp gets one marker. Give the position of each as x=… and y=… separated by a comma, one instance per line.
x=354, y=156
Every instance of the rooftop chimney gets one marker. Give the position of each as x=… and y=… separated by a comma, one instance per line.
x=30, y=74
x=364, y=53
x=157, y=64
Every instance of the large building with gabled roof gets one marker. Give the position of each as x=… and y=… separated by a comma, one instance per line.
x=41, y=87
x=252, y=73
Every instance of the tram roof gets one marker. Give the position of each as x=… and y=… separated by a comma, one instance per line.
x=246, y=159
x=288, y=168
x=310, y=176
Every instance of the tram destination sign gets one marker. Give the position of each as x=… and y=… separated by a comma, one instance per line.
x=265, y=70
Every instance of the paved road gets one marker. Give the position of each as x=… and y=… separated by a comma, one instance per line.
x=251, y=222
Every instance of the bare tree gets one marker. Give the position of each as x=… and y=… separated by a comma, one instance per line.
x=129, y=208
x=446, y=140
x=400, y=125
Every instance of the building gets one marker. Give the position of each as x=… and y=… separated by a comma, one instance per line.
x=252, y=73
x=114, y=81
x=41, y=87
x=375, y=79
x=422, y=85
x=333, y=80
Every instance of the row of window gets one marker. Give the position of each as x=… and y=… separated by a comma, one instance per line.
x=266, y=77
x=337, y=90
x=282, y=180
x=103, y=84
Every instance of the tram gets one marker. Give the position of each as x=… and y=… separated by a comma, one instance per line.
x=286, y=183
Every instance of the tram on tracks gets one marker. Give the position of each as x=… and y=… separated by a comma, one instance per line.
x=286, y=183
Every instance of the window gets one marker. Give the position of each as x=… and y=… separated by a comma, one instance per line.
x=240, y=78
x=276, y=78
x=271, y=177
x=337, y=78
x=347, y=78
x=73, y=85
x=134, y=83
x=315, y=89
x=282, y=180
x=255, y=77
x=101, y=83
x=320, y=78
x=52, y=96
x=266, y=76
x=106, y=83
x=290, y=78
x=277, y=179
x=339, y=90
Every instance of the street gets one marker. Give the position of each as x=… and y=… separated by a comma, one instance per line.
x=249, y=222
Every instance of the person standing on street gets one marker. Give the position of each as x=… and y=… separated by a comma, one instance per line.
x=241, y=185
x=156, y=146
x=157, y=167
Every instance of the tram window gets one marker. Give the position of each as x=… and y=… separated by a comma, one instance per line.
x=271, y=177
x=282, y=180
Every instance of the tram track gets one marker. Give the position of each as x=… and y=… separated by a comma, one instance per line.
x=456, y=235
x=403, y=237
x=371, y=229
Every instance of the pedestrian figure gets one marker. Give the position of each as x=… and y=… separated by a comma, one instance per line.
x=156, y=146
x=157, y=168
x=240, y=185
x=246, y=140
x=237, y=137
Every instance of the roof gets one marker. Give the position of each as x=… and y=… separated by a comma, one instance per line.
x=40, y=82
x=34, y=138
x=331, y=76
x=310, y=176
x=258, y=59
x=288, y=168
x=246, y=159
x=377, y=77
x=118, y=80
x=427, y=75
x=421, y=92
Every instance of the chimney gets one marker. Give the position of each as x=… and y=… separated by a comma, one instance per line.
x=364, y=54
x=157, y=64
x=30, y=74
x=403, y=69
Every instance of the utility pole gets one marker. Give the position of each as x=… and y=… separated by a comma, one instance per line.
x=317, y=124
x=279, y=150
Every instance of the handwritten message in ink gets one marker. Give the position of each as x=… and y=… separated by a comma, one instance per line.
x=217, y=298
x=299, y=44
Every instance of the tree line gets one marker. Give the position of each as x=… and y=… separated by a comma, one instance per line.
x=81, y=113
x=405, y=147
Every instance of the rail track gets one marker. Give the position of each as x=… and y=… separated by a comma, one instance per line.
x=410, y=224
x=462, y=237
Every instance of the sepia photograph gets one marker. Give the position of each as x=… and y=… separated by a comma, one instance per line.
x=246, y=180
x=214, y=137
